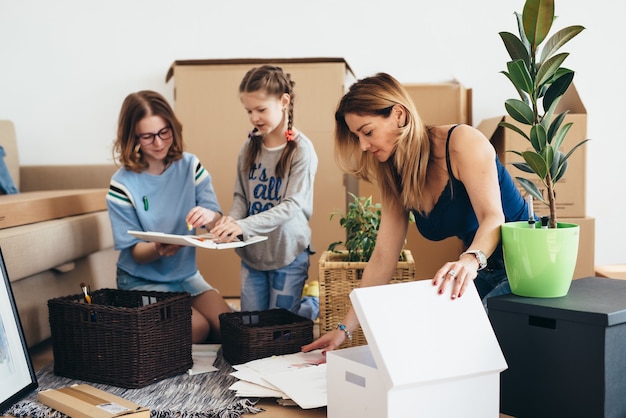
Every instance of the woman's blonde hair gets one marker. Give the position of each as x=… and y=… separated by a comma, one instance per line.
x=402, y=177
x=135, y=107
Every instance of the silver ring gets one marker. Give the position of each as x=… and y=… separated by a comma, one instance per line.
x=452, y=273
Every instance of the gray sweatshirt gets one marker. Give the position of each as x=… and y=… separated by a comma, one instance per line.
x=279, y=208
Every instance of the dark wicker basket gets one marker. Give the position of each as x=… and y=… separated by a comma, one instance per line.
x=248, y=336
x=125, y=338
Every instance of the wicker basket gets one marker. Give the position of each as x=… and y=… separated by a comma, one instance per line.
x=248, y=336
x=123, y=338
x=338, y=278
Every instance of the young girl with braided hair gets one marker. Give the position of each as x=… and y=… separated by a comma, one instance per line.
x=273, y=196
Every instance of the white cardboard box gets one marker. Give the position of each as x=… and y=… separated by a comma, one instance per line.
x=427, y=356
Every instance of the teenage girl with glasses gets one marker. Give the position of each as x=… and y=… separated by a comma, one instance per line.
x=161, y=188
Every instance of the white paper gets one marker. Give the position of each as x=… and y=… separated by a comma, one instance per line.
x=202, y=241
x=300, y=376
x=203, y=356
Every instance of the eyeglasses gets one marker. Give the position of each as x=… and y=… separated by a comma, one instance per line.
x=148, y=138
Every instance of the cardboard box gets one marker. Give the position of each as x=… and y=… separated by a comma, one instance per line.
x=571, y=189
x=613, y=271
x=85, y=401
x=206, y=99
x=412, y=366
x=585, y=263
x=442, y=103
x=565, y=355
x=31, y=207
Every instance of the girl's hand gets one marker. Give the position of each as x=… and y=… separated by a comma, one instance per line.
x=227, y=231
x=458, y=274
x=166, y=250
x=223, y=220
x=327, y=342
x=199, y=216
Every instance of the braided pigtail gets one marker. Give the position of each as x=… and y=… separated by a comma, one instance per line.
x=274, y=81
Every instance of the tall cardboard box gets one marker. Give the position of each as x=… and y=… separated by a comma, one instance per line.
x=437, y=104
x=428, y=356
x=571, y=189
x=215, y=125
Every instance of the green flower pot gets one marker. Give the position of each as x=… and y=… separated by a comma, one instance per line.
x=540, y=262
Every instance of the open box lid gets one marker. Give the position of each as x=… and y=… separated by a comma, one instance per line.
x=417, y=335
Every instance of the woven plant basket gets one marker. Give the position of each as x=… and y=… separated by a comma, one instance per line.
x=338, y=278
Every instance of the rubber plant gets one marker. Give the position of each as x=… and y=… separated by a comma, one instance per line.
x=540, y=80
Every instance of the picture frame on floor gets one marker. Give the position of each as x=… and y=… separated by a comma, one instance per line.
x=17, y=376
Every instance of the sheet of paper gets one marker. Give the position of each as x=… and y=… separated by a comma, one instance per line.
x=305, y=386
x=203, y=356
x=300, y=376
x=246, y=389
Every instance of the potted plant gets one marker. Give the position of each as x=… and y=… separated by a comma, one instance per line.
x=342, y=265
x=536, y=73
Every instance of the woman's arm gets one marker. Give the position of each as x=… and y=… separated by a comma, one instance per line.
x=379, y=269
x=472, y=158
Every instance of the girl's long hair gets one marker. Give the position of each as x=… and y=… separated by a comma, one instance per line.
x=275, y=82
x=403, y=176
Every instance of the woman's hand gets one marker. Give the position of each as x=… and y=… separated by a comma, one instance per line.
x=327, y=342
x=457, y=273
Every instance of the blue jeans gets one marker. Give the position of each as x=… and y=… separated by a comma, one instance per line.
x=280, y=288
x=492, y=281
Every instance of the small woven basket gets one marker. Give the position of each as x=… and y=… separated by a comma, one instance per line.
x=338, y=278
x=125, y=338
x=252, y=335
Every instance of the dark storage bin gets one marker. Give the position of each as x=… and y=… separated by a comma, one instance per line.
x=123, y=338
x=565, y=355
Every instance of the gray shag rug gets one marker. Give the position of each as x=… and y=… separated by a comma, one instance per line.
x=183, y=396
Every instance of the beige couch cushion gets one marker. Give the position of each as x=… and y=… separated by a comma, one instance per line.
x=30, y=249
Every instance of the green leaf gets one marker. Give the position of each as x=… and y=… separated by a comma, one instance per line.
x=514, y=128
x=548, y=68
x=516, y=48
x=523, y=96
x=538, y=137
x=560, y=136
x=519, y=75
x=523, y=167
x=548, y=155
x=537, y=163
x=520, y=29
x=530, y=188
x=559, y=39
x=519, y=111
x=558, y=167
x=558, y=87
x=554, y=127
x=537, y=19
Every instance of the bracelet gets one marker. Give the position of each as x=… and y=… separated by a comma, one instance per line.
x=345, y=330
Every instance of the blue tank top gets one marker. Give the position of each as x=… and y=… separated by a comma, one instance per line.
x=453, y=214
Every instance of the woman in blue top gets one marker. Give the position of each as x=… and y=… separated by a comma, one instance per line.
x=448, y=176
x=161, y=188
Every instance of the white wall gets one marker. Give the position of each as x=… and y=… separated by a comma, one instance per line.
x=66, y=65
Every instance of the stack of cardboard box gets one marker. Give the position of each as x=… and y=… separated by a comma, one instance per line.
x=571, y=189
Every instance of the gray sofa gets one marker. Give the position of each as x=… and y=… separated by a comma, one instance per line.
x=54, y=234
